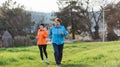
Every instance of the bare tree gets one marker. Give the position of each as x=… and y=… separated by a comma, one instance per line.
x=81, y=16
x=112, y=16
x=72, y=14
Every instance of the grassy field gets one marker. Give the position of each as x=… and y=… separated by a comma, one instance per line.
x=83, y=54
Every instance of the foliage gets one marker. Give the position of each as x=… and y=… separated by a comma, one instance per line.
x=112, y=16
x=22, y=41
x=14, y=18
x=80, y=17
x=73, y=18
x=32, y=37
x=111, y=36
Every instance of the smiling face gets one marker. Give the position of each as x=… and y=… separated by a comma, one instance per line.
x=41, y=27
x=57, y=24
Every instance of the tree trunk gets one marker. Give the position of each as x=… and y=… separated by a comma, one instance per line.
x=96, y=33
x=73, y=29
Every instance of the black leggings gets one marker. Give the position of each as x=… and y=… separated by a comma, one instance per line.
x=42, y=49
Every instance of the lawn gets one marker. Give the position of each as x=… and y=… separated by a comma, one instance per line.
x=82, y=54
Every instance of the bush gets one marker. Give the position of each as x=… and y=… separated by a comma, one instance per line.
x=34, y=41
x=22, y=41
x=19, y=41
x=32, y=37
x=111, y=36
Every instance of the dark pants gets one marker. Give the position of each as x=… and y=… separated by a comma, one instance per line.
x=58, y=52
x=42, y=49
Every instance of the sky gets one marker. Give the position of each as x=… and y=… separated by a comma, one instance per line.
x=46, y=5
x=38, y=5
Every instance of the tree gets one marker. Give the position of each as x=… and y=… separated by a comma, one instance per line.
x=14, y=18
x=84, y=17
x=112, y=16
x=71, y=14
x=112, y=19
x=81, y=19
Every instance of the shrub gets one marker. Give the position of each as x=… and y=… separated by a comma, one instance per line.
x=22, y=41
x=19, y=41
x=32, y=37
x=111, y=36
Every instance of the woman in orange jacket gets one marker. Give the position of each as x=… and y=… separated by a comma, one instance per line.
x=42, y=34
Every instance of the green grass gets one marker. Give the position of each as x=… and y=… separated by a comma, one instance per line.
x=83, y=54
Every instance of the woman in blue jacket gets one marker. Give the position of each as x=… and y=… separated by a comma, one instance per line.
x=57, y=34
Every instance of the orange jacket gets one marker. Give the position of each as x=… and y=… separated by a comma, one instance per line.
x=41, y=37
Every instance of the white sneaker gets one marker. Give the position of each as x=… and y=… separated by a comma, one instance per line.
x=57, y=65
x=47, y=60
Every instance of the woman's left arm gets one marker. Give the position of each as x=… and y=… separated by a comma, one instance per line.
x=65, y=33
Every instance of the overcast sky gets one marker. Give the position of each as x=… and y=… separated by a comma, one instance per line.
x=38, y=5
x=45, y=5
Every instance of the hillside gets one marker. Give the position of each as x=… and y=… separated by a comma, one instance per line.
x=83, y=54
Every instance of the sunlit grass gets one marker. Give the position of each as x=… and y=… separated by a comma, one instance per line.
x=83, y=54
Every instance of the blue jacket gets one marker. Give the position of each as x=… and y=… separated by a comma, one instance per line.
x=56, y=36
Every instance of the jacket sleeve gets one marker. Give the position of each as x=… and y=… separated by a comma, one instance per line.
x=50, y=33
x=45, y=34
x=65, y=31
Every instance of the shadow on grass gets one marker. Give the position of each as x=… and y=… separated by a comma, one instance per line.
x=75, y=65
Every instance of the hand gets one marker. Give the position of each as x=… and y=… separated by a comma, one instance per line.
x=62, y=33
x=42, y=33
x=36, y=37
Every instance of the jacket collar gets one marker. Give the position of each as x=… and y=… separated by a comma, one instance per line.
x=57, y=27
x=41, y=30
